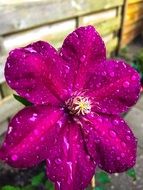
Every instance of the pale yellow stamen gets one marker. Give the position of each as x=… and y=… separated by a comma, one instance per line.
x=79, y=104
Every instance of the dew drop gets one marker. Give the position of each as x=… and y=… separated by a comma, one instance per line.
x=122, y=155
x=14, y=157
x=128, y=137
x=123, y=144
x=112, y=134
x=36, y=132
x=82, y=59
x=112, y=74
x=118, y=158
x=126, y=84
x=104, y=73
x=133, y=77
x=115, y=122
x=58, y=161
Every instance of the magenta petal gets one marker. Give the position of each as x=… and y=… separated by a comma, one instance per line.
x=37, y=73
x=29, y=136
x=68, y=163
x=82, y=50
x=114, y=86
x=111, y=139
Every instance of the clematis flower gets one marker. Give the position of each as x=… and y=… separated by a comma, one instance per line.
x=74, y=123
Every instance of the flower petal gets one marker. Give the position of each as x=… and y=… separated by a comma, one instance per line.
x=37, y=73
x=82, y=50
x=114, y=86
x=111, y=139
x=68, y=163
x=30, y=134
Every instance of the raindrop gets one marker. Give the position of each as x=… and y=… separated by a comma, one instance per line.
x=115, y=122
x=112, y=134
x=58, y=185
x=122, y=155
x=9, y=130
x=70, y=171
x=104, y=73
x=128, y=137
x=112, y=74
x=37, y=147
x=67, y=69
x=14, y=157
x=123, y=144
x=66, y=143
x=8, y=65
x=59, y=123
x=34, y=117
x=133, y=77
x=58, y=161
x=118, y=158
x=126, y=84
x=31, y=50
x=82, y=59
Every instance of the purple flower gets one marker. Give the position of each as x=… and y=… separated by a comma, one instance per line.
x=74, y=123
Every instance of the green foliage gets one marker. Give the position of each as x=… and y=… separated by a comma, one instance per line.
x=49, y=185
x=28, y=187
x=102, y=177
x=138, y=62
x=22, y=100
x=124, y=54
x=38, y=179
x=9, y=187
x=131, y=173
x=99, y=188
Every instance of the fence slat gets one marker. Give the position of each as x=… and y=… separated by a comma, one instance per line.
x=8, y=107
x=22, y=16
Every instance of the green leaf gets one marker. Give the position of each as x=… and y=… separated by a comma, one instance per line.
x=131, y=173
x=99, y=188
x=49, y=185
x=9, y=187
x=28, y=187
x=22, y=100
x=102, y=177
x=38, y=179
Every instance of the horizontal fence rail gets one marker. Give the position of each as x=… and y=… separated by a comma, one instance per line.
x=26, y=21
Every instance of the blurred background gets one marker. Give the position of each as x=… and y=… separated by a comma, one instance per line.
x=120, y=22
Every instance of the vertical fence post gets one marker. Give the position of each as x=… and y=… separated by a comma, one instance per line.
x=122, y=24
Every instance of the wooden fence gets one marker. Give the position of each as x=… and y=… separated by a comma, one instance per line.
x=133, y=21
x=26, y=21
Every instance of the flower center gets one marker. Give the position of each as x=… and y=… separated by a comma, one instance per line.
x=79, y=104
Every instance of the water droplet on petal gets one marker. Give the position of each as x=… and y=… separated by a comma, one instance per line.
x=126, y=84
x=82, y=59
x=112, y=133
x=58, y=161
x=122, y=155
x=115, y=122
x=112, y=74
x=133, y=77
x=118, y=158
x=14, y=157
x=128, y=137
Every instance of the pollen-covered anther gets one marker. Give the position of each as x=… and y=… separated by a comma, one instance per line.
x=79, y=105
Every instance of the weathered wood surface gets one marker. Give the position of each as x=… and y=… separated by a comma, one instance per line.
x=96, y=18
x=133, y=22
x=21, y=16
x=8, y=107
x=54, y=34
x=134, y=1
x=3, y=127
x=26, y=21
